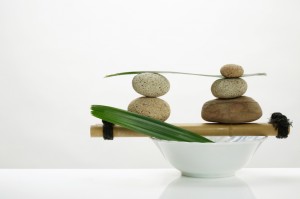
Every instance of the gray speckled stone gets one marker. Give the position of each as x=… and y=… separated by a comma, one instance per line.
x=229, y=88
x=151, y=107
x=232, y=70
x=150, y=84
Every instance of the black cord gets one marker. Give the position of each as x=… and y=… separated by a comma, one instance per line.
x=281, y=123
x=108, y=130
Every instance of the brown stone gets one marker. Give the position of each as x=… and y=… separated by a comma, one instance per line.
x=237, y=110
x=232, y=70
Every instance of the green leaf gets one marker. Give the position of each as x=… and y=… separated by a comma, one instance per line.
x=172, y=72
x=142, y=124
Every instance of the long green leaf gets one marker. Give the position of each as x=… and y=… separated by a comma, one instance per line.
x=172, y=72
x=142, y=124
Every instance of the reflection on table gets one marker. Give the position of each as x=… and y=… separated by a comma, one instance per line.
x=195, y=188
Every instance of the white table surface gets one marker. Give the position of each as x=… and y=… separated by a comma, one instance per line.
x=146, y=183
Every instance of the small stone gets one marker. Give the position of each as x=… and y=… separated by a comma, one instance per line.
x=151, y=107
x=150, y=84
x=237, y=110
x=232, y=70
x=229, y=88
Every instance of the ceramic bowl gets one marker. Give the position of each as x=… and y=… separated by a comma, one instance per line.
x=210, y=160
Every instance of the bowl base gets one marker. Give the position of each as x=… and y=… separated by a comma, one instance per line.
x=208, y=175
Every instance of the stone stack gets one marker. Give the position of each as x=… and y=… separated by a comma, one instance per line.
x=231, y=106
x=150, y=86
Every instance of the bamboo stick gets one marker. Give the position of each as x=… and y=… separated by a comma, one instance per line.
x=205, y=129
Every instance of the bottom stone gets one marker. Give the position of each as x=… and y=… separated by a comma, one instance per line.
x=151, y=107
x=237, y=110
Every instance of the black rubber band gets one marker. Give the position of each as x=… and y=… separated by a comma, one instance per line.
x=281, y=123
x=108, y=130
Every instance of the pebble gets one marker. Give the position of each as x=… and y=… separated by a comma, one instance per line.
x=229, y=88
x=237, y=110
x=150, y=84
x=232, y=70
x=151, y=107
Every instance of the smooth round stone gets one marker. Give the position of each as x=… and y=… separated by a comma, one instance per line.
x=151, y=107
x=229, y=88
x=237, y=110
x=232, y=70
x=150, y=84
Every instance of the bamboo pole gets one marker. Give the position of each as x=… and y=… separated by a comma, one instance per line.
x=205, y=129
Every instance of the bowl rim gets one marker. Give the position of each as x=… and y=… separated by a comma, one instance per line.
x=259, y=139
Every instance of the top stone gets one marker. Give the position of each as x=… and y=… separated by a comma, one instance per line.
x=150, y=84
x=232, y=71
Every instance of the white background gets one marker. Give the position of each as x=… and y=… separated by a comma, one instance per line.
x=54, y=55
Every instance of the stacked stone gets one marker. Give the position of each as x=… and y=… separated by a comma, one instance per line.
x=231, y=106
x=150, y=86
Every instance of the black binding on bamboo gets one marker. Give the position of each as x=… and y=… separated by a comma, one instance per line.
x=281, y=123
x=108, y=130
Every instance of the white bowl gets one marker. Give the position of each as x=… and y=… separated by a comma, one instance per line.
x=209, y=160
